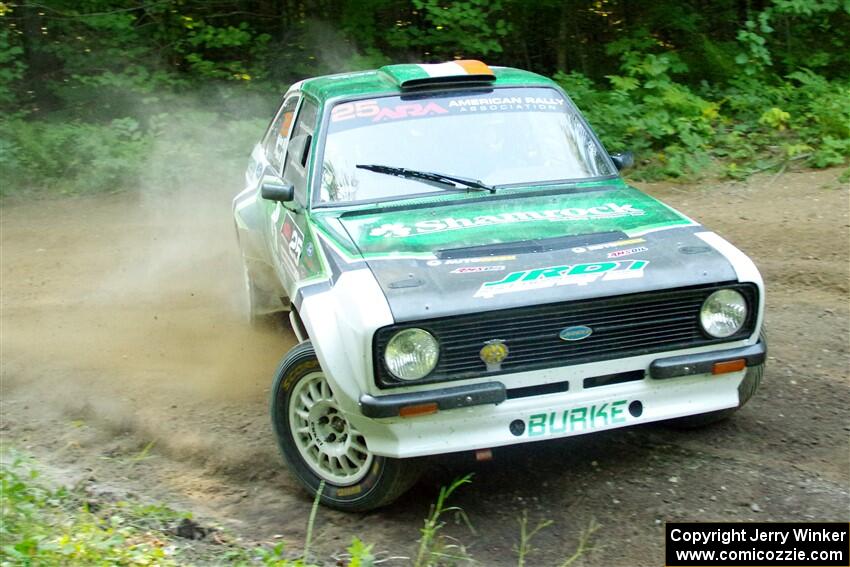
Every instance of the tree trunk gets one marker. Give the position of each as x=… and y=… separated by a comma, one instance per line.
x=38, y=64
x=563, y=35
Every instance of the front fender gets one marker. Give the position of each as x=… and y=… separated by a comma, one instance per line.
x=745, y=269
x=340, y=321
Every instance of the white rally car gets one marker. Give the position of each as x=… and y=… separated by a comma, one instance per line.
x=465, y=268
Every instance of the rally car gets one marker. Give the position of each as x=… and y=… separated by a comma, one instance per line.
x=464, y=268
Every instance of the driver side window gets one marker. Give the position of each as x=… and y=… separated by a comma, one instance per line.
x=277, y=139
x=298, y=152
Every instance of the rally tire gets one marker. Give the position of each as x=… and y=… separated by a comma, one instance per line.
x=377, y=484
x=746, y=390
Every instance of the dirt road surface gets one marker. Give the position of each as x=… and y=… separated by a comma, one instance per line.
x=126, y=362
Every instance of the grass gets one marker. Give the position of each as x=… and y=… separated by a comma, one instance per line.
x=61, y=526
x=525, y=537
x=42, y=525
x=433, y=548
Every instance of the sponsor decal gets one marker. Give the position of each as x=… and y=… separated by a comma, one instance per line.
x=583, y=418
x=453, y=261
x=578, y=274
x=477, y=269
x=604, y=245
x=310, y=265
x=349, y=490
x=627, y=252
x=390, y=229
x=286, y=123
x=393, y=108
x=493, y=353
x=599, y=212
x=293, y=238
x=695, y=249
x=575, y=333
x=507, y=103
x=371, y=109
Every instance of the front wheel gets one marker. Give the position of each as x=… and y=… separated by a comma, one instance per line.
x=319, y=443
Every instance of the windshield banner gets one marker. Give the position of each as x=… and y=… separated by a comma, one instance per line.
x=392, y=108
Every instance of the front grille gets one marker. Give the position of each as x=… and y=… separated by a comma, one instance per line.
x=626, y=325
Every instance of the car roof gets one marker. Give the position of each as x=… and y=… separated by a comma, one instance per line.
x=408, y=78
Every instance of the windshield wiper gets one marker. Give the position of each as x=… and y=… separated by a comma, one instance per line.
x=431, y=176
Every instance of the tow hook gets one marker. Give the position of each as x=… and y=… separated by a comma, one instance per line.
x=482, y=455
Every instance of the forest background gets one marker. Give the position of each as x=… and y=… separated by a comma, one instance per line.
x=112, y=95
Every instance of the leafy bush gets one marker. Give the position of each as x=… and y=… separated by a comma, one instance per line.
x=646, y=111
x=52, y=527
x=81, y=158
x=46, y=526
x=93, y=93
x=73, y=156
x=471, y=27
x=750, y=125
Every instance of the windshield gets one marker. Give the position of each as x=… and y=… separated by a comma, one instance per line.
x=500, y=137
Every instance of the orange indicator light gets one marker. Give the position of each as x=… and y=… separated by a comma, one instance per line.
x=729, y=366
x=421, y=409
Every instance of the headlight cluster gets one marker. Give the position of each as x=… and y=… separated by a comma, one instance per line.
x=723, y=313
x=411, y=354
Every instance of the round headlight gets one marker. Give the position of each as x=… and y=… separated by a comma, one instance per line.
x=723, y=313
x=411, y=354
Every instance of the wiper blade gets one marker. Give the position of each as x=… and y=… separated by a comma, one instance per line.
x=432, y=176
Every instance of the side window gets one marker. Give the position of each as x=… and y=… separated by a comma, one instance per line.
x=278, y=136
x=298, y=152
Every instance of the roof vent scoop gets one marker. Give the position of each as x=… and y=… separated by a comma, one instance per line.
x=413, y=76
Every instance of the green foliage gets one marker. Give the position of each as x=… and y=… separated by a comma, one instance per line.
x=585, y=543
x=756, y=55
x=361, y=554
x=80, y=158
x=74, y=156
x=221, y=52
x=433, y=30
x=805, y=117
x=645, y=110
x=12, y=68
x=752, y=124
x=46, y=526
x=433, y=548
x=42, y=526
x=93, y=93
x=775, y=118
x=525, y=536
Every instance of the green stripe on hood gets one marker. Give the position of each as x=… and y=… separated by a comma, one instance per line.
x=496, y=221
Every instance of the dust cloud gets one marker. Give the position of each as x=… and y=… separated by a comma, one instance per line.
x=127, y=311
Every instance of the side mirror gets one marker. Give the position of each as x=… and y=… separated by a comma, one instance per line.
x=273, y=189
x=623, y=160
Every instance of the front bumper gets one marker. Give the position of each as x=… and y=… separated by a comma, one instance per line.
x=495, y=392
x=483, y=416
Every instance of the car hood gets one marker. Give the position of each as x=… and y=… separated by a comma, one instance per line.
x=507, y=251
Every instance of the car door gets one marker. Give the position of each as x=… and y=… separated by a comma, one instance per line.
x=251, y=211
x=289, y=221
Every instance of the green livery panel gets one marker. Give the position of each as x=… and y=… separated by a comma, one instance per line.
x=494, y=221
